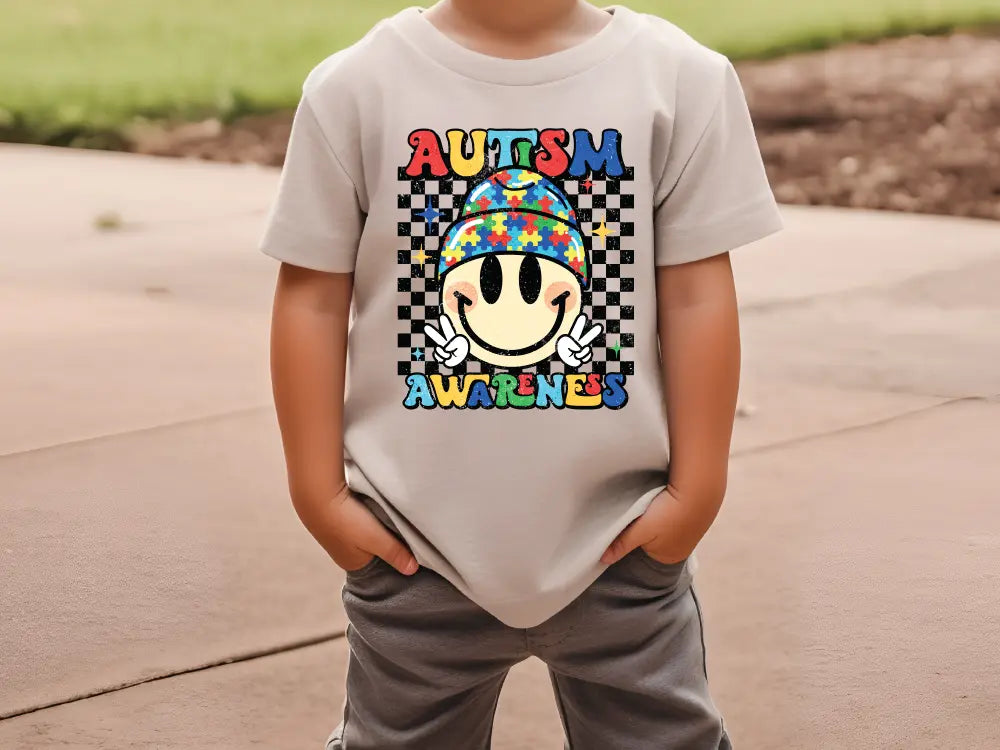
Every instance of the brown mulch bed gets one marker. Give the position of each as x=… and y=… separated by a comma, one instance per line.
x=909, y=124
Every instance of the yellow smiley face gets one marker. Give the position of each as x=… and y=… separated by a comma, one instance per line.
x=511, y=306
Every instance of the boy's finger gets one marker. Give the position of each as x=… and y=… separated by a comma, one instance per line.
x=434, y=335
x=371, y=535
x=630, y=537
x=578, y=325
x=396, y=554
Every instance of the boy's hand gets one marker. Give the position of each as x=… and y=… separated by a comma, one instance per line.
x=668, y=531
x=308, y=370
x=352, y=535
x=699, y=333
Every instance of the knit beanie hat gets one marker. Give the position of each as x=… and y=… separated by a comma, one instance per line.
x=515, y=211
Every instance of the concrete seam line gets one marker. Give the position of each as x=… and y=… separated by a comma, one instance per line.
x=782, y=304
x=857, y=427
x=140, y=430
x=237, y=659
x=326, y=638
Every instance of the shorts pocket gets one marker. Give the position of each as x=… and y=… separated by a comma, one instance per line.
x=640, y=575
x=657, y=564
x=365, y=569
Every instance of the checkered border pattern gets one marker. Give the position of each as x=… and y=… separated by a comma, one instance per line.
x=606, y=301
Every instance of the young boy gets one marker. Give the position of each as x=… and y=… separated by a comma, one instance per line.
x=525, y=209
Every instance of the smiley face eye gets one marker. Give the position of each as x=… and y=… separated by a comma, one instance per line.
x=530, y=279
x=491, y=279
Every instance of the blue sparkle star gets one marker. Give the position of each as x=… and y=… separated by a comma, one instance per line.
x=418, y=354
x=429, y=214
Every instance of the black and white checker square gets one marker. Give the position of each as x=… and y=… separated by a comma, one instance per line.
x=602, y=205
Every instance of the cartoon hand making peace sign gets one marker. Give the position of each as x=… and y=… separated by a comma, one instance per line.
x=452, y=348
x=574, y=347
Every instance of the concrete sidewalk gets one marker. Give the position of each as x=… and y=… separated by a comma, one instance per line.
x=851, y=584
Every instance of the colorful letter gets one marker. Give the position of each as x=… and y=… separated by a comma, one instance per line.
x=507, y=391
x=608, y=157
x=549, y=391
x=453, y=390
x=505, y=140
x=426, y=153
x=551, y=159
x=593, y=386
x=576, y=395
x=615, y=396
x=462, y=165
x=419, y=393
x=480, y=393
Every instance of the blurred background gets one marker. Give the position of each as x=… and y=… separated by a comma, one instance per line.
x=156, y=588
x=907, y=125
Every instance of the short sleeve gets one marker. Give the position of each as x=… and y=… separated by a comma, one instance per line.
x=316, y=218
x=713, y=195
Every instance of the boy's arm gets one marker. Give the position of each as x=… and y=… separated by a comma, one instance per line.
x=308, y=368
x=700, y=355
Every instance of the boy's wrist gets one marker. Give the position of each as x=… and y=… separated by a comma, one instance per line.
x=683, y=520
x=671, y=527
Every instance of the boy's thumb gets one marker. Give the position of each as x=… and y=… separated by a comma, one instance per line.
x=626, y=541
x=397, y=554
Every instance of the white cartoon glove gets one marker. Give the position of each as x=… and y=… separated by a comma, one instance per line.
x=452, y=348
x=574, y=347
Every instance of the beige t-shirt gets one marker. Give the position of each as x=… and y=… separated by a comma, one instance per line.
x=503, y=220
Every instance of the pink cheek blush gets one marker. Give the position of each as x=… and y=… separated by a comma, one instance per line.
x=553, y=290
x=463, y=288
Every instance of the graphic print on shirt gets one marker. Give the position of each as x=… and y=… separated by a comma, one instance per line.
x=512, y=286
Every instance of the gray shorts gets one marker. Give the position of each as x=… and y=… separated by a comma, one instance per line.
x=626, y=659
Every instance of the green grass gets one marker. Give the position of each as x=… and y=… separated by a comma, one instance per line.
x=77, y=70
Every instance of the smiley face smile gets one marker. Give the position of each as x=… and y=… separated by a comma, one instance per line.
x=559, y=302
